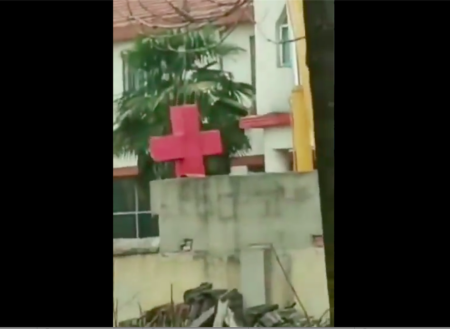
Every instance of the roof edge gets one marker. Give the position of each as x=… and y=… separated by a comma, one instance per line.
x=129, y=32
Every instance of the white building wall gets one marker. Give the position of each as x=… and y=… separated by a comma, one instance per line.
x=274, y=83
x=240, y=66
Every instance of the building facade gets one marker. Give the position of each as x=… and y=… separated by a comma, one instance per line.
x=270, y=63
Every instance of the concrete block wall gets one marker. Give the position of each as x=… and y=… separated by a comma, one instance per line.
x=224, y=214
x=230, y=219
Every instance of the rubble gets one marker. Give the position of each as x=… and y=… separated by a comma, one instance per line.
x=205, y=306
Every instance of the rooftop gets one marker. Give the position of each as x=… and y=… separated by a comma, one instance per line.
x=132, y=16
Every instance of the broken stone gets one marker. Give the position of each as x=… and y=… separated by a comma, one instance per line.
x=253, y=314
x=204, y=318
x=270, y=319
x=207, y=307
x=193, y=293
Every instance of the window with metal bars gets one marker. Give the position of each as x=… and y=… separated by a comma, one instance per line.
x=253, y=71
x=284, y=34
x=285, y=47
x=132, y=217
x=132, y=78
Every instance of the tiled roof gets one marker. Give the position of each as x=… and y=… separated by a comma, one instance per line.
x=159, y=14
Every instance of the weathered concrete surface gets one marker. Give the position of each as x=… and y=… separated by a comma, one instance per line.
x=125, y=247
x=144, y=280
x=224, y=214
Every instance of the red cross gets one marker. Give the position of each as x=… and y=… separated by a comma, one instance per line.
x=188, y=145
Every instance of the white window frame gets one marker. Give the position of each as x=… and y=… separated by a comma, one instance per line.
x=295, y=64
x=136, y=213
x=281, y=48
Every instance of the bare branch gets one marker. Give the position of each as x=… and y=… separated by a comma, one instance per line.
x=269, y=39
x=184, y=16
x=161, y=17
x=186, y=19
x=227, y=33
x=132, y=18
x=183, y=12
x=237, y=5
x=201, y=49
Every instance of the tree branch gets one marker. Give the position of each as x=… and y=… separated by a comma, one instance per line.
x=269, y=39
x=185, y=18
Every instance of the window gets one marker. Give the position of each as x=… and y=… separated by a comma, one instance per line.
x=285, y=52
x=253, y=70
x=132, y=79
x=132, y=217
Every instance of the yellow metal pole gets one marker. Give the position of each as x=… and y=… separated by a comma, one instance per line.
x=303, y=154
x=302, y=113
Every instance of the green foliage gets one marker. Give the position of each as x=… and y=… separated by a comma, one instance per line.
x=174, y=69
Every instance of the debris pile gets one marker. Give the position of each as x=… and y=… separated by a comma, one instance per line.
x=207, y=307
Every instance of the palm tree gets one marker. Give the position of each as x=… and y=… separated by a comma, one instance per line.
x=319, y=26
x=179, y=67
